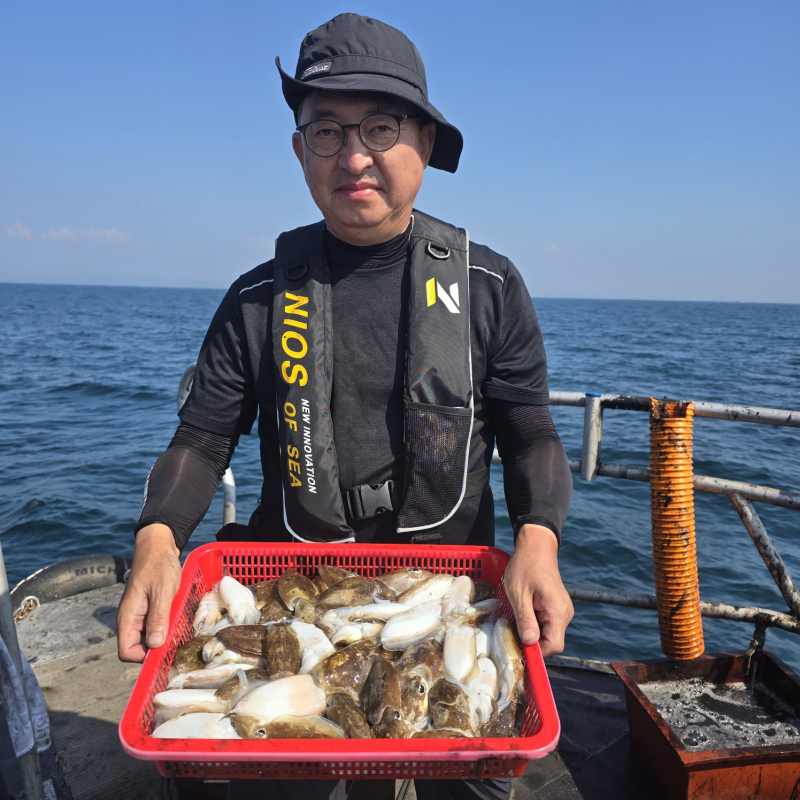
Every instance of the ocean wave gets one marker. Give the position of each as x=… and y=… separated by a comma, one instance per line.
x=97, y=389
x=92, y=388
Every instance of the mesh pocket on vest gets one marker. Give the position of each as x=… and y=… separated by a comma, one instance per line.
x=436, y=452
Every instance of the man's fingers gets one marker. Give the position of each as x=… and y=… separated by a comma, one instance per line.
x=143, y=616
x=134, y=653
x=129, y=641
x=130, y=624
x=541, y=604
x=527, y=624
x=528, y=629
x=158, y=620
x=552, y=641
x=554, y=618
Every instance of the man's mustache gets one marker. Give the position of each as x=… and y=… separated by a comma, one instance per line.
x=366, y=177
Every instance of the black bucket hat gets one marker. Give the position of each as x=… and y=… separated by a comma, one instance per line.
x=352, y=53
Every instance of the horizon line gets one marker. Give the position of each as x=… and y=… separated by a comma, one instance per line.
x=541, y=297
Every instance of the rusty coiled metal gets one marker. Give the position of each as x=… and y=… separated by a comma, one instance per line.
x=672, y=512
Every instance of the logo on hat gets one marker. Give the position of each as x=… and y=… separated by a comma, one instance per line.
x=315, y=69
x=450, y=299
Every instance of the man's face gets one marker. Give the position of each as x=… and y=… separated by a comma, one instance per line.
x=365, y=197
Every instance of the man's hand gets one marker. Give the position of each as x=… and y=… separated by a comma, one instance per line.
x=533, y=584
x=143, y=614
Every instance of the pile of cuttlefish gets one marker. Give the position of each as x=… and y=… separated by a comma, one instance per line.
x=406, y=654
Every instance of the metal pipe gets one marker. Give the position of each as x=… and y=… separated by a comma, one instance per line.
x=592, y=435
x=185, y=385
x=579, y=663
x=228, y=497
x=630, y=472
x=702, y=483
x=28, y=763
x=766, y=416
x=612, y=597
x=622, y=402
x=567, y=398
x=772, y=558
x=751, y=614
x=751, y=491
x=672, y=521
x=628, y=402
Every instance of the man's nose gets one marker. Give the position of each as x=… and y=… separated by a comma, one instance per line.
x=354, y=156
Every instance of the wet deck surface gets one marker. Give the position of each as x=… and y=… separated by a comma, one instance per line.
x=72, y=648
x=593, y=759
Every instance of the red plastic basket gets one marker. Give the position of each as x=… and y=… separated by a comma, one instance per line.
x=347, y=758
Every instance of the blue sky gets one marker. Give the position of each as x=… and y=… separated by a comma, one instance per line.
x=613, y=149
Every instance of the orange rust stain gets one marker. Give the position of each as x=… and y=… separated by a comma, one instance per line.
x=672, y=514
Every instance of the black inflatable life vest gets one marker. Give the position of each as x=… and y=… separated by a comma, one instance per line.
x=438, y=385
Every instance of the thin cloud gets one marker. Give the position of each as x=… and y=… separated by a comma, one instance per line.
x=107, y=235
x=64, y=235
x=549, y=250
x=102, y=235
x=19, y=231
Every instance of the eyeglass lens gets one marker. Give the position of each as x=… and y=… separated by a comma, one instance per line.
x=378, y=132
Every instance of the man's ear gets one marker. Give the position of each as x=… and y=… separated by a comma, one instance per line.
x=297, y=146
x=427, y=137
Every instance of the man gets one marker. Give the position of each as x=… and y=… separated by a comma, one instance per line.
x=383, y=354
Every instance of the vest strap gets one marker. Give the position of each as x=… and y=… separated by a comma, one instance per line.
x=427, y=537
x=303, y=361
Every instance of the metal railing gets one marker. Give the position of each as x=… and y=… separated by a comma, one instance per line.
x=589, y=466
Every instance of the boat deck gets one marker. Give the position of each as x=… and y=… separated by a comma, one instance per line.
x=72, y=648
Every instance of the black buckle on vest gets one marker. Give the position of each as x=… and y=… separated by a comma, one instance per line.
x=363, y=502
x=441, y=252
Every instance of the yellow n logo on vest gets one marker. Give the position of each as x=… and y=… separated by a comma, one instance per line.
x=435, y=289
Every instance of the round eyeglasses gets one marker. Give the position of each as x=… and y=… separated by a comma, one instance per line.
x=378, y=132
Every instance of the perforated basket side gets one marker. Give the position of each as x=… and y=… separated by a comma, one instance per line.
x=347, y=770
x=248, y=567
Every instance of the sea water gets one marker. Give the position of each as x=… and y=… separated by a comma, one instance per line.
x=88, y=383
x=709, y=716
